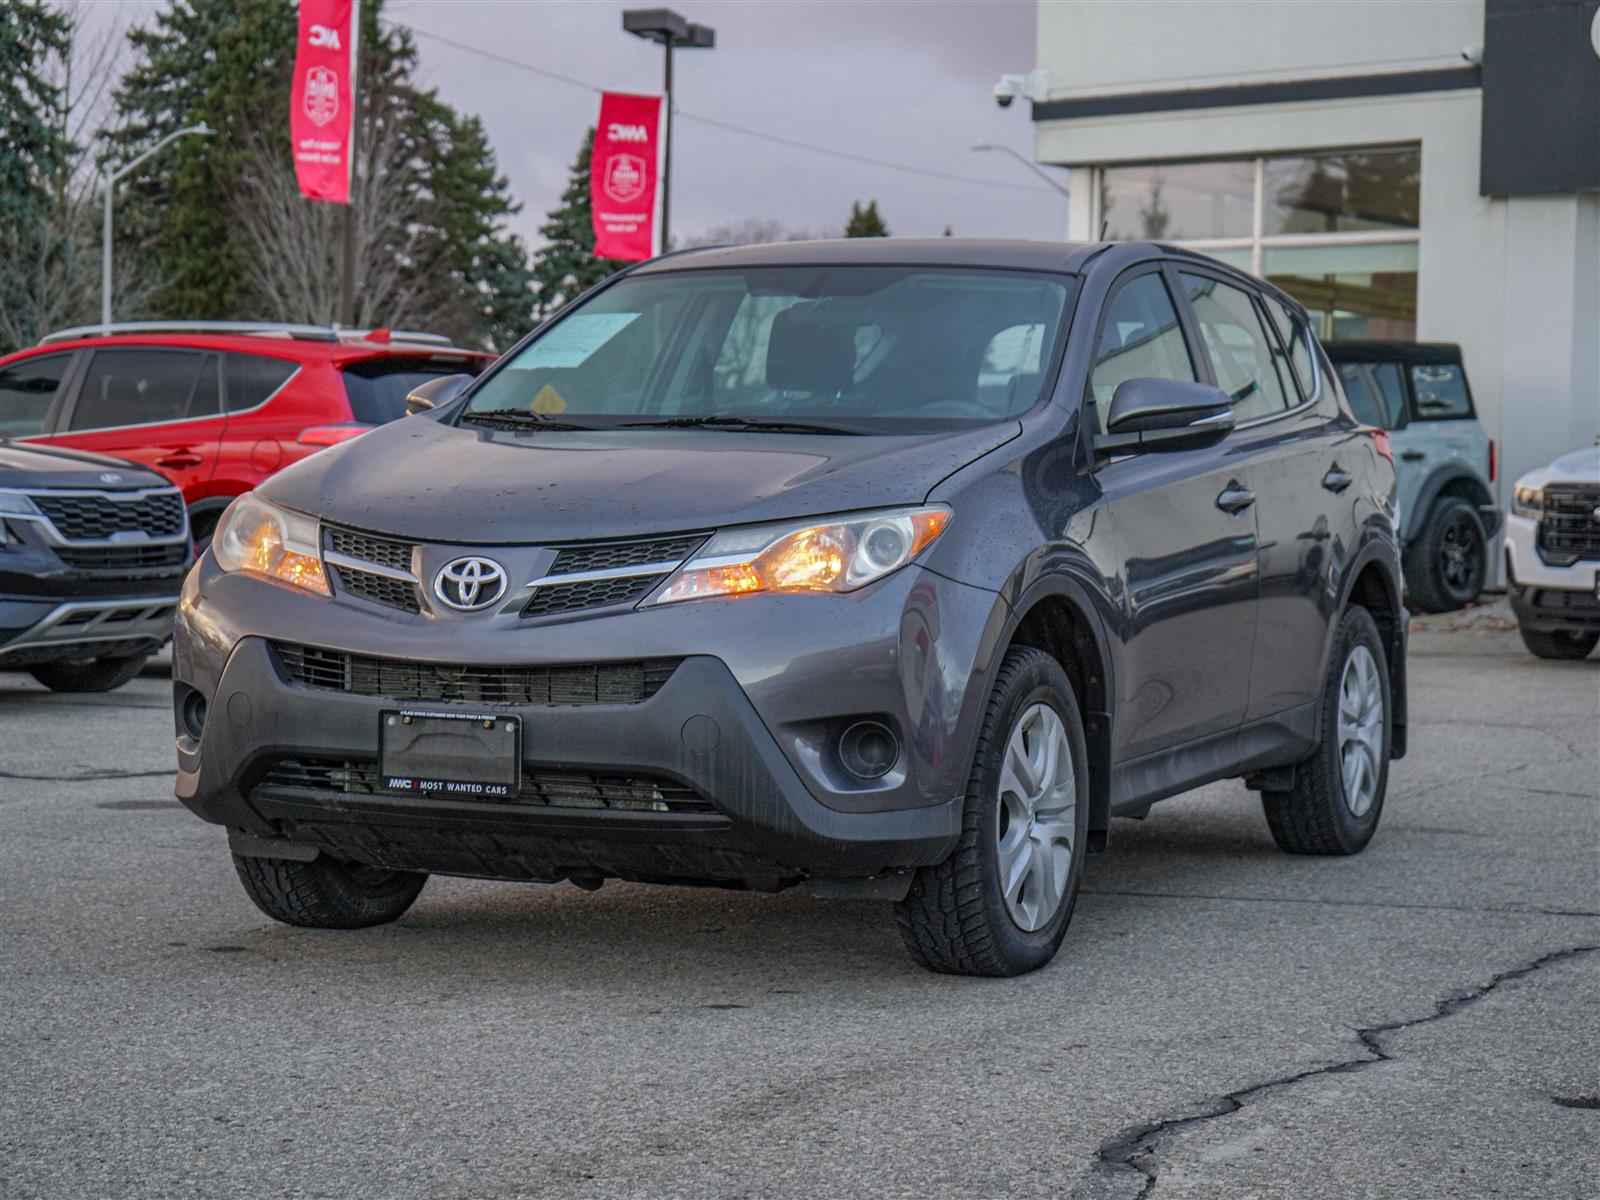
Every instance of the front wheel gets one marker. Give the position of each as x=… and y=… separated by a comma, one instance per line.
x=1333, y=804
x=1557, y=643
x=97, y=675
x=1001, y=903
x=325, y=893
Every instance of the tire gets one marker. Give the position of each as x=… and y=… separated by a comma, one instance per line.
x=325, y=893
x=956, y=919
x=1321, y=813
x=1557, y=643
x=97, y=675
x=1449, y=559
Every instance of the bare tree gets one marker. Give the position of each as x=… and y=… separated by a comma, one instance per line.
x=753, y=231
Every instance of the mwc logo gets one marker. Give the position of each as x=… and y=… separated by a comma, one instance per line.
x=324, y=37
x=626, y=133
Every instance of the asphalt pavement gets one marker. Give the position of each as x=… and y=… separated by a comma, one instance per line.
x=1422, y=1020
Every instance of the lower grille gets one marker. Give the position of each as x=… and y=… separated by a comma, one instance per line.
x=540, y=788
x=403, y=679
x=124, y=557
x=1569, y=530
x=380, y=589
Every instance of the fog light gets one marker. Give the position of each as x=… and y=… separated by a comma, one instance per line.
x=868, y=749
x=192, y=712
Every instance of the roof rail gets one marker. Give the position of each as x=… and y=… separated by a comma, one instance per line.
x=315, y=333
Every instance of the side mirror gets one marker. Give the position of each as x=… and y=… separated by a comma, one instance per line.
x=1165, y=414
x=428, y=396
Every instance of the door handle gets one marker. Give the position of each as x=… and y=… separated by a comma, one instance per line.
x=1413, y=455
x=180, y=458
x=1337, y=479
x=1235, y=498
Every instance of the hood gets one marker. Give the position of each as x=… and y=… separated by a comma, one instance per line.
x=435, y=482
x=1577, y=466
x=33, y=466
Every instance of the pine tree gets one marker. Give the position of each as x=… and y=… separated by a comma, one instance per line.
x=36, y=156
x=865, y=222
x=566, y=265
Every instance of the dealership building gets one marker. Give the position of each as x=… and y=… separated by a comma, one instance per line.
x=1415, y=169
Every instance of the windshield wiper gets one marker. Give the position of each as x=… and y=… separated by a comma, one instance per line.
x=517, y=418
x=741, y=424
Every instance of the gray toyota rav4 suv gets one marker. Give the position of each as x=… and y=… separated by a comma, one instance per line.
x=895, y=568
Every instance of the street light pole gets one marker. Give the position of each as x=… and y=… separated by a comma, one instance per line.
x=670, y=29
x=1030, y=164
x=108, y=184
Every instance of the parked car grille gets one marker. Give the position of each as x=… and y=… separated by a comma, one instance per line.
x=90, y=518
x=540, y=787
x=386, y=552
x=380, y=589
x=1569, y=529
x=124, y=557
x=593, y=593
x=602, y=556
x=402, y=679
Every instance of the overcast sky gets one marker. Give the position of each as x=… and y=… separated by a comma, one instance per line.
x=903, y=82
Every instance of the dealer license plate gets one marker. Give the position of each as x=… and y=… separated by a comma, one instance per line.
x=467, y=755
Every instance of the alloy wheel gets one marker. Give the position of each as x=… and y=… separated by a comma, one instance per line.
x=1036, y=817
x=1360, y=729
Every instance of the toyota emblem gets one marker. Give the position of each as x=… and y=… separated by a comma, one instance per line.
x=469, y=583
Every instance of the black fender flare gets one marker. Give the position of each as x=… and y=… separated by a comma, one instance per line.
x=1440, y=478
x=1379, y=551
x=1008, y=616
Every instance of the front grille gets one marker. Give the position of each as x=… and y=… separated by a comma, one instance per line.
x=604, y=556
x=380, y=589
x=124, y=557
x=386, y=552
x=402, y=679
x=90, y=518
x=540, y=787
x=1569, y=528
x=595, y=593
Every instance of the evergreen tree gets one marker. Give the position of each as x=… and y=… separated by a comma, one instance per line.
x=35, y=158
x=566, y=265
x=865, y=222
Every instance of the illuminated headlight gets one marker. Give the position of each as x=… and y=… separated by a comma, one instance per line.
x=1528, y=502
x=262, y=539
x=816, y=556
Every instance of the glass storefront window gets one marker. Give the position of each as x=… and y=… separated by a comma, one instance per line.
x=1343, y=192
x=1178, y=201
x=1352, y=291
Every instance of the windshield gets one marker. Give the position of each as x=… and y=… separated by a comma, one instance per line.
x=874, y=349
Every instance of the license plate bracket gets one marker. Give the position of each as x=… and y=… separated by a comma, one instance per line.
x=469, y=756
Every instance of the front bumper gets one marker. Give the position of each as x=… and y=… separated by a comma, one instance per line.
x=35, y=629
x=698, y=735
x=1547, y=597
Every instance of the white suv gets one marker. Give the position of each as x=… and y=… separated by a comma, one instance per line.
x=1553, y=556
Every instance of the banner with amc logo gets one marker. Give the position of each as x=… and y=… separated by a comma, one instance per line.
x=625, y=176
x=322, y=102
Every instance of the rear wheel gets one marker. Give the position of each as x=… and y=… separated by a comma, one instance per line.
x=1558, y=643
x=1336, y=796
x=325, y=893
x=1001, y=903
x=1446, y=565
x=97, y=675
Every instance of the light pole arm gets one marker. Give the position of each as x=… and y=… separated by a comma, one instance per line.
x=1031, y=165
x=108, y=185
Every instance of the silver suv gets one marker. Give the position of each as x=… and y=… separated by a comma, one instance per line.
x=1444, y=461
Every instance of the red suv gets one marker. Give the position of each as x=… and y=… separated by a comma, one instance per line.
x=215, y=407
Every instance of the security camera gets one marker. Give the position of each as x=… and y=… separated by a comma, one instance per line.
x=1005, y=92
x=1035, y=86
x=1473, y=54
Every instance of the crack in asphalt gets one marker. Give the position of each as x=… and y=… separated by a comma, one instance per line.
x=86, y=776
x=1516, y=910
x=1133, y=1150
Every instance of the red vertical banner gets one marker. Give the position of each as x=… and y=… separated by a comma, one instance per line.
x=625, y=177
x=322, y=101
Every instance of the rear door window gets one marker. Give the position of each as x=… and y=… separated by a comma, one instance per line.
x=1375, y=391
x=378, y=387
x=144, y=387
x=1243, y=353
x=253, y=379
x=1439, y=392
x=27, y=389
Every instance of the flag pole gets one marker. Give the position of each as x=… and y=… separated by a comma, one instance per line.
x=347, y=274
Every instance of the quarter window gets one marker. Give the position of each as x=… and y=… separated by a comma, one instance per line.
x=1141, y=339
x=1239, y=346
x=253, y=378
x=142, y=387
x=1296, y=337
x=26, y=390
x=1375, y=392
